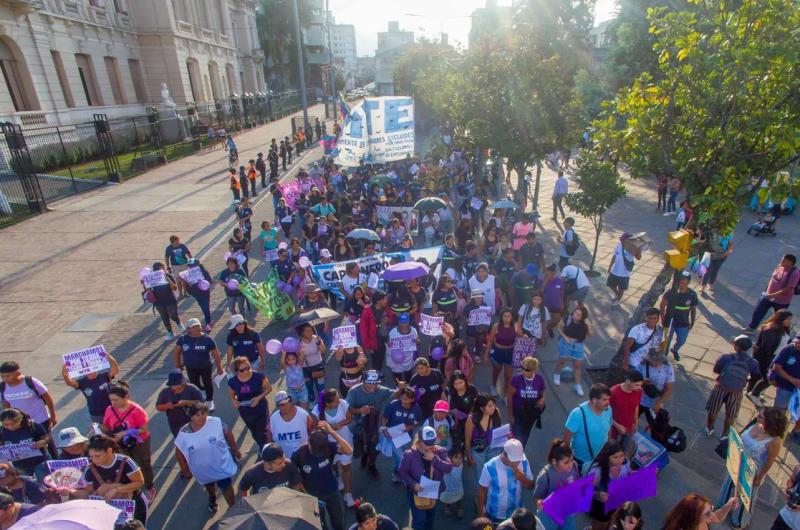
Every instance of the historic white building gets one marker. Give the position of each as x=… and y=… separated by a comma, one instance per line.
x=63, y=60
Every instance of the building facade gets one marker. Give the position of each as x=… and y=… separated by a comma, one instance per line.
x=491, y=21
x=391, y=44
x=343, y=44
x=64, y=60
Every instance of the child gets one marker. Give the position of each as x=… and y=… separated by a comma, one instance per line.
x=453, y=486
x=442, y=423
x=560, y=470
x=295, y=380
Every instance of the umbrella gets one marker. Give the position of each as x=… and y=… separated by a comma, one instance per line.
x=406, y=270
x=364, y=233
x=279, y=509
x=504, y=203
x=71, y=515
x=430, y=203
x=380, y=180
x=317, y=316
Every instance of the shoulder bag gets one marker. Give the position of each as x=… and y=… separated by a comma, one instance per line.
x=424, y=503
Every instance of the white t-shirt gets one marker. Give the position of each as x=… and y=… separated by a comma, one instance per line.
x=487, y=286
x=532, y=322
x=659, y=376
x=619, y=269
x=290, y=435
x=207, y=453
x=445, y=214
x=348, y=283
x=640, y=334
x=504, y=492
x=408, y=358
x=571, y=270
x=432, y=222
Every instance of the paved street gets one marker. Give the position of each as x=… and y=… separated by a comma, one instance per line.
x=69, y=279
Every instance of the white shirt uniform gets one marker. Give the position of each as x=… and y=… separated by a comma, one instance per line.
x=290, y=435
x=336, y=416
x=488, y=288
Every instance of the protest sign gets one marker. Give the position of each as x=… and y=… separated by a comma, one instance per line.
x=19, y=451
x=741, y=468
x=193, y=275
x=575, y=497
x=523, y=347
x=126, y=506
x=271, y=255
x=377, y=130
x=290, y=191
x=67, y=473
x=500, y=436
x=431, y=326
x=344, y=336
x=476, y=203
x=385, y=214
x=480, y=316
x=90, y=360
x=404, y=343
x=154, y=279
x=637, y=486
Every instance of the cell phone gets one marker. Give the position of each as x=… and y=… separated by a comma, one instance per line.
x=245, y=403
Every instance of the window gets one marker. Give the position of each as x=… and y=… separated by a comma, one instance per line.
x=88, y=79
x=112, y=67
x=62, y=78
x=10, y=69
x=138, y=80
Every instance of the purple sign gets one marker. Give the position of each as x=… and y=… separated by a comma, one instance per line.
x=635, y=487
x=572, y=498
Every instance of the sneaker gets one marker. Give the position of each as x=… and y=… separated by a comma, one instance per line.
x=748, y=331
x=667, y=214
x=578, y=389
x=348, y=500
x=676, y=354
x=150, y=495
x=723, y=437
x=210, y=405
x=615, y=302
x=557, y=379
x=396, y=478
x=183, y=328
x=169, y=336
x=756, y=400
x=207, y=328
x=212, y=505
x=708, y=432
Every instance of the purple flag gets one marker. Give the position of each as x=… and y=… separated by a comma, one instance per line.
x=572, y=498
x=634, y=487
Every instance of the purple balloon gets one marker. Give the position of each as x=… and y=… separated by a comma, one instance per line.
x=397, y=356
x=437, y=353
x=233, y=285
x=144, y=271
x=291, y=344
x=287, y=288
x=273, y=346
x=203, y=285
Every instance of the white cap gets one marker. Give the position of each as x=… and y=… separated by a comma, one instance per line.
x=193, y=322
x=236, y=320
x=69, y=437
x=325, y=253
x=514, y=451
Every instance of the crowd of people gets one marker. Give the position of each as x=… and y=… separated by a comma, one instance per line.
x=417, y=406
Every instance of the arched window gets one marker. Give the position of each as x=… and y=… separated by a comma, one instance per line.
x=17, y=79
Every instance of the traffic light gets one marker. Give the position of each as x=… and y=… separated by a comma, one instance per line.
x=679, y=256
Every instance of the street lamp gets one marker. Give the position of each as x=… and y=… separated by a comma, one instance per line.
x=298, y=36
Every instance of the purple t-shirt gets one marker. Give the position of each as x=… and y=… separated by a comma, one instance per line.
x=553, y=294
x=527, y=393
x=22, y=397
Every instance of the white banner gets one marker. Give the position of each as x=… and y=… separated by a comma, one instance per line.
x=377, y=130
x=480, y=316
x=20, y=451
x=154, y=279
x=193, y=275
x=384, y=214
x=431, y=326
x=344, y=336
x=90, y=360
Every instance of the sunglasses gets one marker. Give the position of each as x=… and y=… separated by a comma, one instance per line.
x=243, y=370
x=527, y=370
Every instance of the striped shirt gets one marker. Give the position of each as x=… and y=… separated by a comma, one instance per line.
x=504, y=492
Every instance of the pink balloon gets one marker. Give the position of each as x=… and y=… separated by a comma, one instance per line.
x=273, y=346
x=397, y=356
x=203, y=285
x=144, y=271
x=304, y=262
x=291, y=344
x=233, y=285
x=226, y=256
x=437, y=353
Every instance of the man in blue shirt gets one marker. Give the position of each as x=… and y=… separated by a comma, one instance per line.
x=401, y=411
x=176, y=255
x=786, y=368
x=588, y=425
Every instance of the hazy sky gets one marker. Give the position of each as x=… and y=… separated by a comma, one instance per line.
x=372, y=16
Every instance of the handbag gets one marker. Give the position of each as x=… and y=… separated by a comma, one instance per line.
x=648, y=388
x=424, y=503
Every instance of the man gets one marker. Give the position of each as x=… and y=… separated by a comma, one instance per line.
x=289, y=150
x=289, y=426
x=274, y=470
x=521, y=519
x=367, y=401
x=786, y=367
x=314, y=459
x=642, y=338
x=282, y=152
x=501, y=482
x=483, y=281
x=624, y=402
x=29, y=395
x=559, y=192
x=429, y=384
x=576, y=285
x=531, y=252
x=323, y=208
x=588, y=425
x=678, y=312
x=524, y=283
x=620, y=270
x=401, y=411
x=261, y=167
x=176, y=255
x=734, y=370
x=272, y=157
x=779, y=292
x=568, y=241
x=175, y=400
x=195, y=350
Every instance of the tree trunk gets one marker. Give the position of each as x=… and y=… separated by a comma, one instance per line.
x=536, y=186
x=597, y=230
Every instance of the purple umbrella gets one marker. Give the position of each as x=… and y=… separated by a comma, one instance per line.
x=406, y=270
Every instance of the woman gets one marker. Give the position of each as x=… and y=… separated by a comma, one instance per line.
x=245, y=342
x=560, y=470
x=112, y=475
x=202, y=296
x=283, y=215
x=248, y=390
x=206, y=450
x=695, y=512
x=500, y=343
x=483, y=419
x=24, y=489
x=533, y=319
x=762, y=442
x=17, y=428
x=610, y=464
x=126, y=423
x=420, y=296
x=234, y=297
x=336, y=412
x=774, y=332
x=351, y=367
x=312, y=352
x=354, y=306
x=720, y=247
x=94, y=387
x=238, y=244
x=573, y=333
x=369, y=519
x=269, y=240
x=296, y=250
x=627, y=517
x=445, y=299
x=402, y=301
x=490, y=243
x=458, y=359
x=403, y=343
x=461, y=397
x=342, y=250
x=426, y=459
x=521, y=230
x=525, y=400
x=372, y=329
x=164, y=301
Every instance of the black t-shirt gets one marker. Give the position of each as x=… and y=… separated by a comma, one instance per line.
x=245, y=391
x=463, y=403
x=257, y=480
x=30, y=492
x=109, y=474
x=679, y=306
x=446, y=301
x=244, y=344
x=96, y=393
x=197, y=350
x=429, y=389
x=226, y=275
x=33, y=433
x=179, y=416
x=318, y=477
x=531, y=254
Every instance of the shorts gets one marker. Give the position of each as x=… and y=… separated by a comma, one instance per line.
x=502, y=356
x=344, y=459
x=782, y=398
x=570, y=351
x=223, y=484
x=580, y=294
x=732, y=401
x=618, y=282
x=177, y=269
x=298, y=396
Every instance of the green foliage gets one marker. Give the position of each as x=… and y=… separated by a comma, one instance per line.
x=723, y=107
x=275, y=25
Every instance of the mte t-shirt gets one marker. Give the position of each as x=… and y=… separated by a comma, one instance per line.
x=395, y=414
x=317, y=472
x=196, y=351
x=789, y=359
x=429, y=389
x=597, y=427
x=25, y=398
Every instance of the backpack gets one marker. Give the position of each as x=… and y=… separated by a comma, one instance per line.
x=734, y=376
x=572, y=246
x=789, y=278
x=28, y=382
x=672, y=438
x=571, y=284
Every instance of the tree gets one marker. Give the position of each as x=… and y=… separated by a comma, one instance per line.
x=275, y=25
x=600, y=187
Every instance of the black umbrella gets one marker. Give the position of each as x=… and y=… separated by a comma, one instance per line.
x=279, y=509
x=430, y=203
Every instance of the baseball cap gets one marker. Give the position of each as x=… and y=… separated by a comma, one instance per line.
x=373, y=377
x=441, y=406
x=404, y=318
x=422, y=360
x=428, y=435
x=743, y=342
x=483, y=265
x=325, y=253
x=282, y=397
x=235, y=321
x=193, y=322
x=532, y=269
x=271, y=452
x=282, y=245
x=69, y=437
x=514, y=451
x=175, y=378
x=476, y=293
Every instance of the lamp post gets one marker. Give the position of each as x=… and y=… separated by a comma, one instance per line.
x=298, y=36
x=331, y=71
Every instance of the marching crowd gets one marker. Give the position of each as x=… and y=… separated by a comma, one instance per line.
x=402, y=396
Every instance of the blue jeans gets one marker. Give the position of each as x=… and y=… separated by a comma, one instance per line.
x=761, y=310
x=671, y=206
x=420, y=519
x=549, y=524
x=204, y=301
x=681, y=334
